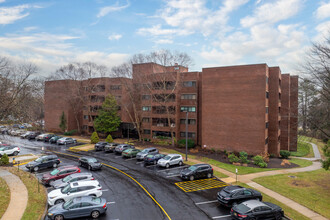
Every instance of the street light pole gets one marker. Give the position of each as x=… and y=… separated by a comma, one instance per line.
x=186, y=135
x=128, y=135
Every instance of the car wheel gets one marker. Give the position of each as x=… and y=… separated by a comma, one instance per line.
x=55, y=165
x=15, y=153
x=35, y=169
x=89, y=167
x=59, y=217
x=180, y=163
x=92, y=195
x=79, y=163
x=209, y=175
x=59, y=201
x=167, y=165
x=191, y=178
x=95, y=214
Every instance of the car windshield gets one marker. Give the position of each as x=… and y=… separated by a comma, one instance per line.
x=38, y=160
x=192, y=168
x=150, y=156
x=242, y=208
x=145, y=151
x=2, y=148
x=54, y=172
x=66, y=189
x=92, y=160
x=67, y=179
x=167, y=158
x=67, y=204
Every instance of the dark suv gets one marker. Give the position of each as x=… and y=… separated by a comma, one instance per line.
x=197, y=171
x=100, y=145
x=43, y=162
x=33, y=135
x=232, y=195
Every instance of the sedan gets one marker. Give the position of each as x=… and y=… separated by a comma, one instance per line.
x=90, y=162
x=153, y=159
x=66, y=140
x=59, y=173
x=145, y=152
x=40, y=137
x=232, y=195
x=72, y=178
x=110, y=147
x=78, y=207
x=130, y=153
x=197, y=171
x=254, y=209
x=120, y=148
x=32, y=136
x=100, y=145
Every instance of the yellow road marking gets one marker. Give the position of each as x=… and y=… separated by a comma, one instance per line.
x=197, y=185
x=22, y=163
x=127, y=176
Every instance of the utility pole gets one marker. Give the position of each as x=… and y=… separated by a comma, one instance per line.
x=187, y=135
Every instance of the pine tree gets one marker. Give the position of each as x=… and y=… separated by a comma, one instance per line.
x=62, y=124
x=109, y=139
x=94, y=138
x=108, y=119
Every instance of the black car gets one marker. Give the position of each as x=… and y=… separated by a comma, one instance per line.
x=197, y=171
x=43, y=162
x=232, y=195
x=100, y=145
x=48, y=137
x=254, y=209
x=33, y=135
x=153, y=158
x=90, y=162
x=110, y=147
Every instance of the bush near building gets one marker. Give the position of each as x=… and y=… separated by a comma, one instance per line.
x=233, y=158
x=109, y=139
x=259, y=161
x=182, y=143
x=94, y=138
x=285, y=154
x=4, y=160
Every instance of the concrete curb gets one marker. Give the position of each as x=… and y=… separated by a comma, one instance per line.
x=46, y=207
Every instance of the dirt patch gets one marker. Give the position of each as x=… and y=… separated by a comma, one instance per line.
x=299, y=183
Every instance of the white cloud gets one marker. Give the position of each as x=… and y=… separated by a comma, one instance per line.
x=272, y=13
x=157, y=30
x=164, y=41
x=11, y=14
x=31, y=28
x=115, y=37
x=2, y=1
x=106, y=10
x=323, y=30
x=323, y=11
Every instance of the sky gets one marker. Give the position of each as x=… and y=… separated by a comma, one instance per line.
x=53, y=33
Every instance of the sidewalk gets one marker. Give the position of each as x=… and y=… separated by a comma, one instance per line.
x=18, y=196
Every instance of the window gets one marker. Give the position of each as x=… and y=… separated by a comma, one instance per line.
x=266, y=141
x=267, y=124
x=146, y=131
x=188, y=96
x=267, y=95
x=279, y=109
x=146, y=108
x=146, y=120
x=190, y=121
x=86, y=117
x=266, y=110
x=266, y=80
x=84, y=127
x=247, y=192
x=115, y=87
x=190, y=134
x=188, y=109
x=189, y=84
x=146, y=97
x=279, y=96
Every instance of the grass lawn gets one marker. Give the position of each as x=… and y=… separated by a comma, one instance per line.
x=37, y=200
x=303, y=149
x=291, y=213
x=301, y=162
x=320, y=144
x=5, y=196
x=310, y=189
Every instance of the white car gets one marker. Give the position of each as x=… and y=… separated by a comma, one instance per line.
x=40, y=137
x=9, y=150
x=73, y=190
x=170, y=160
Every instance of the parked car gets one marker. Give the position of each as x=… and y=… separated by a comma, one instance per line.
x=40, y=137
x=47, y=137
x=43, y=162
x=90, y=162
x=33, y=135
x=74, y=190
x=54, y=139
x=255, y=209
x=66, y=140
x=232, y=195
x=110, y=147
x=72, y=178
x=130, y=152
x=26, y=134
x=9, y=150
x=170, y=160
x=59, y=173
x=78, y=207
x=120, y=148
x=153, y=158
x=145, y=152
x=197, y=171
x=100, y=145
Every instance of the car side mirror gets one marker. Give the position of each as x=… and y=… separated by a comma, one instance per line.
x=68, y=193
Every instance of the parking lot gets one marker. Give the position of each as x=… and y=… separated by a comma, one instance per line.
x=127, y=200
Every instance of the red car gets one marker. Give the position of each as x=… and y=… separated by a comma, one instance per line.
x=59, y=173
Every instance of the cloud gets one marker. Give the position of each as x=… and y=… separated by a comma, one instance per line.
x=114, y=36
x=323, y=11
x=31, y=28
x=323, y=30
x=272, y=13
x=157, y=30
x=164, y=41
x=11, y=14
x=2, y=1
x=106, y=10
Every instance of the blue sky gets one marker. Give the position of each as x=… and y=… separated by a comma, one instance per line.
x=53, y=33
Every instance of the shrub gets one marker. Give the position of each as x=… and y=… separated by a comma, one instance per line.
x=262, y=165
x=243, y=157
x=213, y=150
x=4, y=160
x=272, y=155
x=225, y=152
x=182, y=143
x=257, y=160
x=233, y=158
x=285, y=154
x=69, y=133
x=109, y=139
x=94, y=138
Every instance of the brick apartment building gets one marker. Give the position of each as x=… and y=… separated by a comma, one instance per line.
x=249, y=107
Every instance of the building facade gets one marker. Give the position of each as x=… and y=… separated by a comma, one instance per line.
x=250, y=108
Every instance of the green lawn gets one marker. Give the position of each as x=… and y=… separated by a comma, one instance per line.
x=310, y=189
x=301, y=162
x=303, y=149
x=5, y=196
x=291, y=213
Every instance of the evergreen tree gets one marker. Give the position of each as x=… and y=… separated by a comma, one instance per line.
x=62, y=124
x=109, y=139
x=94, y=138
x=108, y=119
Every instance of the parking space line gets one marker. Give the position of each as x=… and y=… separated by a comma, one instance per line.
x=139, y=162
x=111, y=202
x=105, y=190
x=221, y=216
x=172, y=169
x=201, y=203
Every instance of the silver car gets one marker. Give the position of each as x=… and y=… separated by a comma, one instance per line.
x=61, y=183
x=170, y=160
x=151, y=150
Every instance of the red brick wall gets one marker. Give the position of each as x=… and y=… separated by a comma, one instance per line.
x=293, y=112
x=285, y=112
